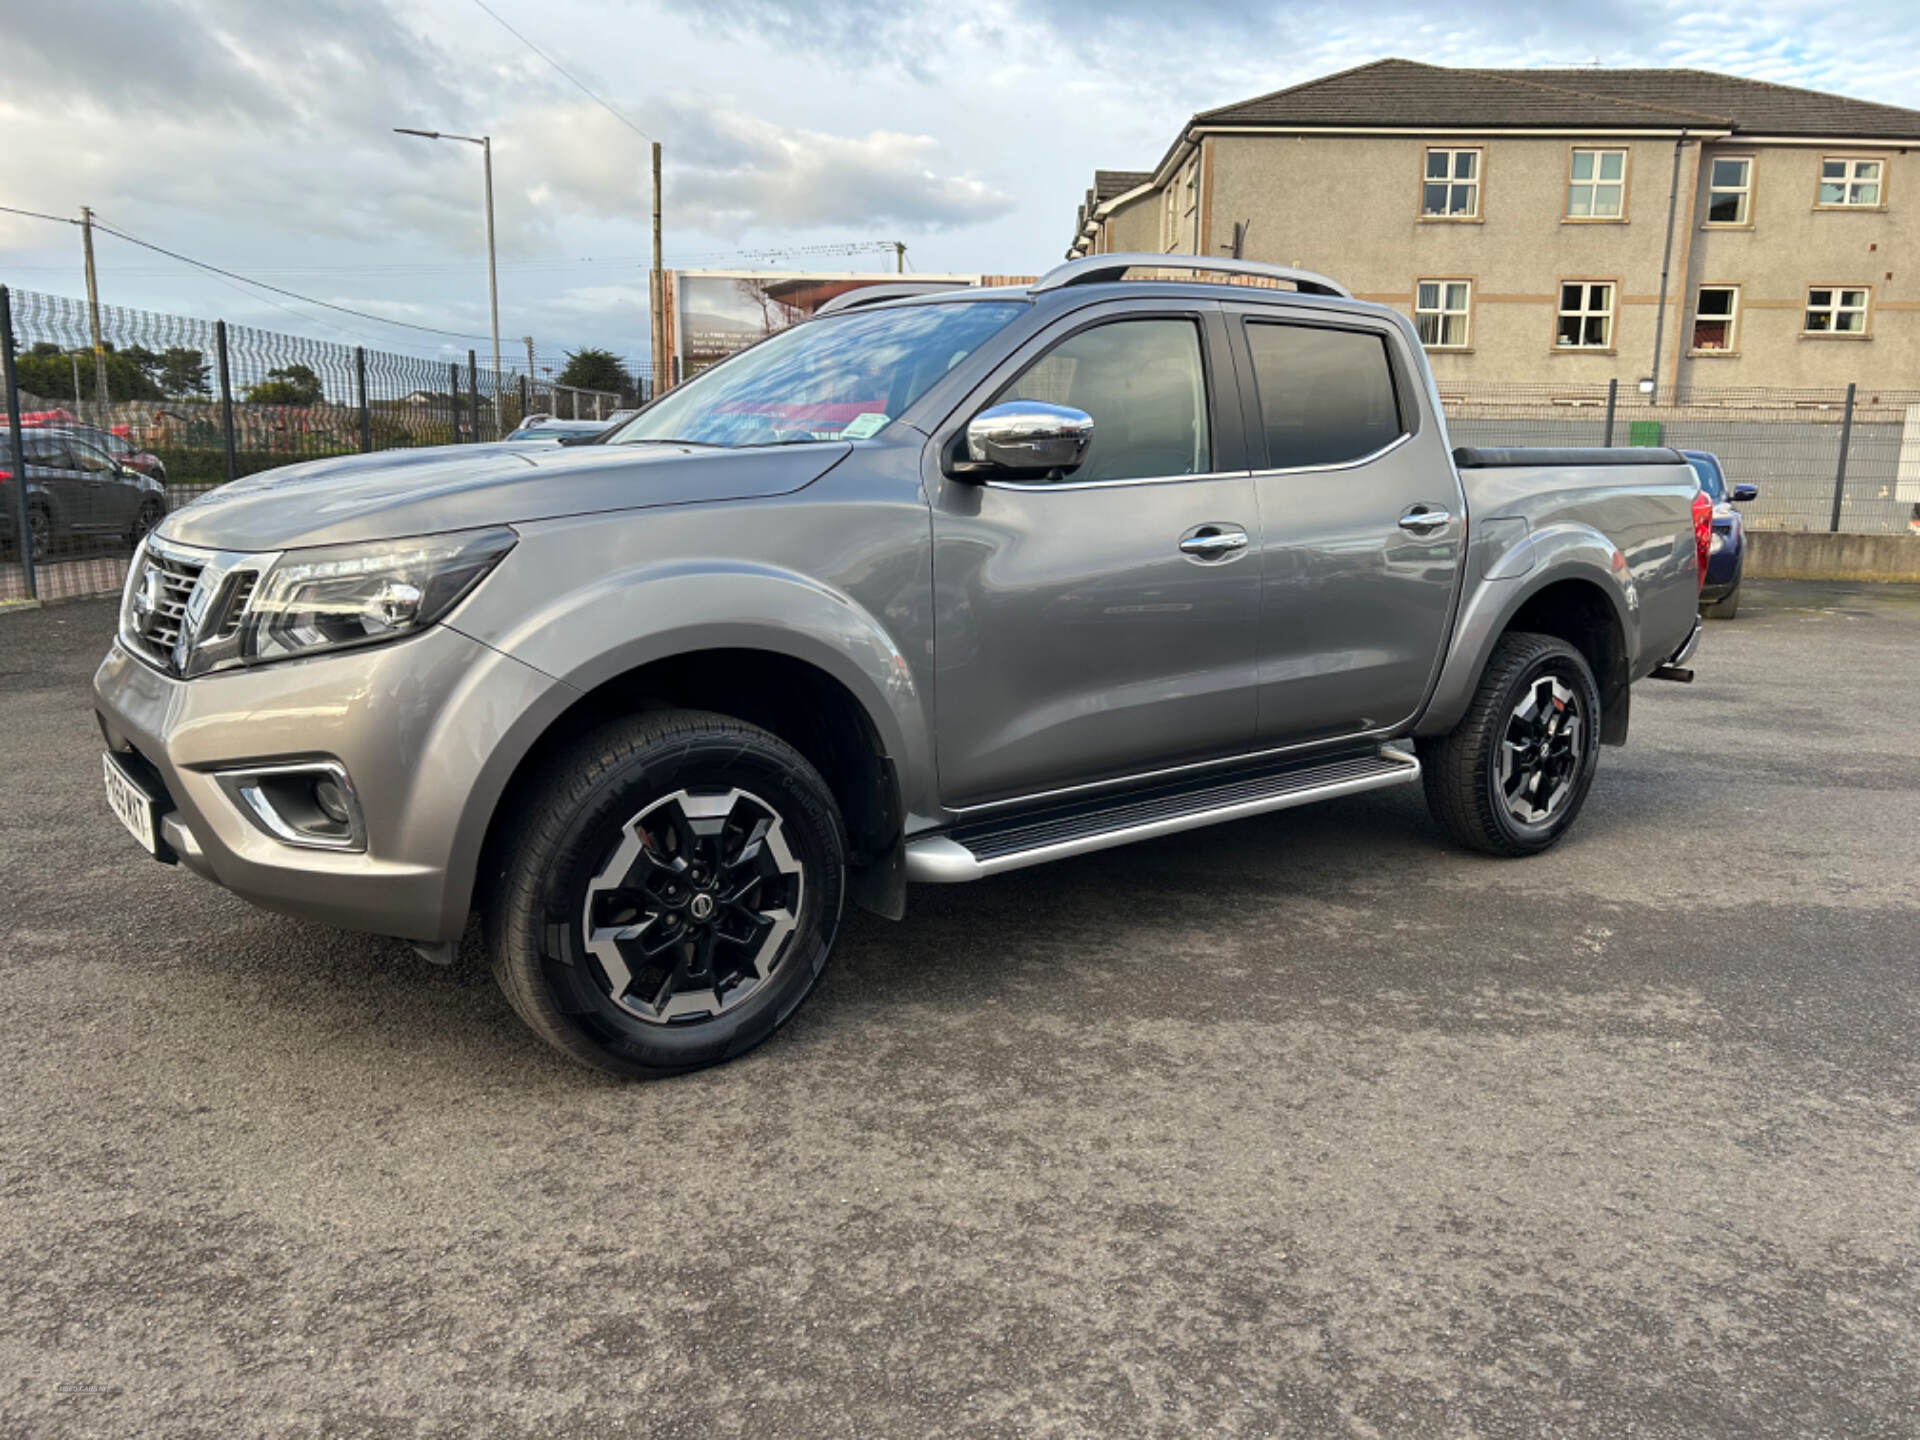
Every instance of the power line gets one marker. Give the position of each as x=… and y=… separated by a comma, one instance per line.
x=63, y=219
x=578, y=82
x=279, y=290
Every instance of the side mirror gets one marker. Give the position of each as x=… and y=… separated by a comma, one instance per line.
x=1026, y=436
x=1745, y=492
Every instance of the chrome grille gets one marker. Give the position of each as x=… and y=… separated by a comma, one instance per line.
x=239, y=596
x=158, y=611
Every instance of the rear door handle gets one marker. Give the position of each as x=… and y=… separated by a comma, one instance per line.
x=1214, y=542
x=1425, y=520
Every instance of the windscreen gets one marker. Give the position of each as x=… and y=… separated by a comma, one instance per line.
x=843, y=377
x=1709, y=479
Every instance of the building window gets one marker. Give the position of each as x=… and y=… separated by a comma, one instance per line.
x=1440, y=309
x=1845, y=183
x=1596, y=185
x=1833, y=310
x=1586, y=315
x=1451, y=188
x=1714, y=316
x=1729, y=188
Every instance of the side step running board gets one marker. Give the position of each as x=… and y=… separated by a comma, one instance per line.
x=971, y=852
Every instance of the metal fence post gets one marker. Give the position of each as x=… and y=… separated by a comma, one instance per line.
x=360, y=395
x=473, y=393
x=22, y=527
x=226, y=396
x=453, y=398
x=1613, y=400
x=525, y=395
x=1840, y=467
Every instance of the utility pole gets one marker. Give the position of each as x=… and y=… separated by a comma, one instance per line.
x=93, y=310
x=658, y=290
x=899, y=257
x=531, y=392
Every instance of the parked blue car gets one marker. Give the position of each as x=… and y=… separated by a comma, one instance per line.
x=1720, y=596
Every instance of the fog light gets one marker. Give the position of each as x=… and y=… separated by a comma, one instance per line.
x=306, y=803
x=326, y=794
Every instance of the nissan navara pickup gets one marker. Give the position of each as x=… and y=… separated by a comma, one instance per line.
x=927, y=588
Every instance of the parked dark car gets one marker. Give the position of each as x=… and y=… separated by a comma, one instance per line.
x=1726, y=553
x=122, y=449
x=75, y=489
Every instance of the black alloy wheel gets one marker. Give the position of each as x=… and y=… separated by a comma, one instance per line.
x=1511, y=777
x=665, y=893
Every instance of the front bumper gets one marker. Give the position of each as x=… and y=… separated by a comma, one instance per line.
x=430, y=729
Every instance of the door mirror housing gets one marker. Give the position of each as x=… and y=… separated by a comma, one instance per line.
x=1024, y=437
x=1745, y=492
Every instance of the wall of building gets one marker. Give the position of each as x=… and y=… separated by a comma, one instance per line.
x=1133, y=226
x=1349, y=205
x=1790, y=244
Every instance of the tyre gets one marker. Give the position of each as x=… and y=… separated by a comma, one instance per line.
x=1512, y=776
x=152, y=512
x=1726, y=607
x=40, y=526
x=667, y=893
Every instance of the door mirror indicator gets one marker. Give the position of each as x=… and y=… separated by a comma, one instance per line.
x=1024, y=437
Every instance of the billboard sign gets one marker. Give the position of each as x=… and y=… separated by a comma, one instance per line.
x=719, y=312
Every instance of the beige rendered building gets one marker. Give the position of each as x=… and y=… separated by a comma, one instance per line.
x=1567, y=226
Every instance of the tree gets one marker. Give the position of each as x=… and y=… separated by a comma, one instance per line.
x=183, y=372
x=287, y=385
x=48, y=371
x=591, y=369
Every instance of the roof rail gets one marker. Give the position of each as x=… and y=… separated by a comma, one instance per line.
x=1095, y=268
x=886, y=290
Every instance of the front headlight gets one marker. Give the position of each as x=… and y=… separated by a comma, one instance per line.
x=345, y=595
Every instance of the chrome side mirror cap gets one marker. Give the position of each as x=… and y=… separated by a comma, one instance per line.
x=1025, y=436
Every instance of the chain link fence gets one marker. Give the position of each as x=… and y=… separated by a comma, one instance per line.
x=170, y=407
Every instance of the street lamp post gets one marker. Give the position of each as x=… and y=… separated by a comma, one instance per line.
x=485, y=142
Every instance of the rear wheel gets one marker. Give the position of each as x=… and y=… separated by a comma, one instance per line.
x=1514, y=774
x=669, y=894
x=1726, y=607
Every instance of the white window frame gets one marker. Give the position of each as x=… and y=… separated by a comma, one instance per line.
x=1731, y=319
x=1851, y=181
x=1442, y=311
x=1744, y=190
x=1593, y=184
x=1585, y=311
x=1452, y=152
x=1833, y=309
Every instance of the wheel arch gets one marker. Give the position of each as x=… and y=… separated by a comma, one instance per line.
x=1584, y=595
x=795, y=698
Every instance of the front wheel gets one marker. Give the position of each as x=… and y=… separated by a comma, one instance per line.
x=1511, y=777
x=152, y=512
x=667, y=893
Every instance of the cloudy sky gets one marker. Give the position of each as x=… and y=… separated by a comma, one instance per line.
x=256, y=134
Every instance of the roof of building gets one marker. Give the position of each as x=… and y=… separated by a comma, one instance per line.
x=1109, y=183
x=1406, y=92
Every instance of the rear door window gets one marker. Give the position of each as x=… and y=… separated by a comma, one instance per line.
x=1326, y=396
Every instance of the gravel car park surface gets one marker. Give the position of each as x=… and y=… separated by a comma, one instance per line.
x=1306, y=1125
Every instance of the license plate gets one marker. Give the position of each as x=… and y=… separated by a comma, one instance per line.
x=132, y=805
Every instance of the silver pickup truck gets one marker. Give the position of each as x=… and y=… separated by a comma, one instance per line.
x=925, y=589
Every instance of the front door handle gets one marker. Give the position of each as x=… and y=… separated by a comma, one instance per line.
x=1425, y=520
x=1214, y=542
